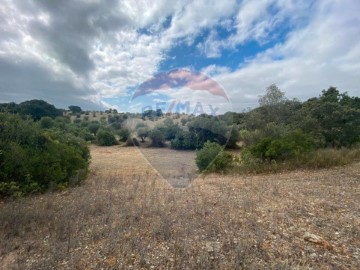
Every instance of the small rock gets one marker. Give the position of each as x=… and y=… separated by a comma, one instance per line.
x=313, y=238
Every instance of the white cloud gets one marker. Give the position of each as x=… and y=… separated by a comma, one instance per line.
x=326, y=52
x=100, y=49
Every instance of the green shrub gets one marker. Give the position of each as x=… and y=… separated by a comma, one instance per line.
x=157, y=138
x=316, y=159
x=34, y=159
x=221, y=163
x=124, y=134
x=94, y=127
x=46, y=122
x=87, y=136
x=105, y=138
x=184, y=141
x=293, y=145
x=206, y=155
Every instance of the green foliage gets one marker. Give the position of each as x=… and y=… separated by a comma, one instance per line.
x=142, y=132
x=169, y=129
x=124, y=134
x=157, y=137
x=94, y=127
x=34, y=159
x=184, y=141
x=115, y=121
x=208, y=128
x=222, y=163
x=273, y=96
x=315, y=159
x=75, y=109
x=34, y=108
x=38, y=109
x=105, y=138
x=295, y=144
x=206, y=155
x=46, y=122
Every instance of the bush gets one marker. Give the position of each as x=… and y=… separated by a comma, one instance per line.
x=221, y=163
x=105, y=138
x=206, y=155
x=184, y=141
x=124, y=134
x=94, y=127
x=34, y=159
x=169, y=129
x=87, y=136
x=157, y=138
x=325, y=158
x=46, y=122
x=293, y=145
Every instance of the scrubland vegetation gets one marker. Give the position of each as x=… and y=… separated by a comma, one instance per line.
x=278, y=135
x=127, y=217
x=233, y=216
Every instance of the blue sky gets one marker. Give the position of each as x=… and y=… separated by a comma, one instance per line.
x=96, y=53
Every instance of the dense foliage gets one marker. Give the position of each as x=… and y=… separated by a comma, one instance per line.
x=35, y=159
x=212, y=158
x=43, y=147
x=35, y=108
x=282, y=132
x=105, y=138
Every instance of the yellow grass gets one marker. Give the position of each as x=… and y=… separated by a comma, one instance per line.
x=127, y=217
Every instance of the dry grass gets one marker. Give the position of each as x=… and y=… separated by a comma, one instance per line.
x=126, y=217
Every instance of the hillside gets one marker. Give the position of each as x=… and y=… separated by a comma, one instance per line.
x=126, y=215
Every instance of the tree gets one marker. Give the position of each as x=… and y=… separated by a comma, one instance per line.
x=124, y=134
x=272, y=96
x=184, y=141
x=75, y=109
x=208, y=128
x=38, y=109
x=115, y=121
x=157, y=138
x=169, y=129
x=142, y=132
x=94, y=127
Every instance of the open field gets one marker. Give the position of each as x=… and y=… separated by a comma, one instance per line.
x=127, y=217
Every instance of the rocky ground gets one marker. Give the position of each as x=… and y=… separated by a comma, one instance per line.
x=125, y=216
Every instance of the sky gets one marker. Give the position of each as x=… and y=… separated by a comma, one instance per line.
x=96, y=53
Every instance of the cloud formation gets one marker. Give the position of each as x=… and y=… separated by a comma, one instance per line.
x=88, y=52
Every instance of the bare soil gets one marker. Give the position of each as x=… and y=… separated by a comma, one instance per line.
x=125, y=216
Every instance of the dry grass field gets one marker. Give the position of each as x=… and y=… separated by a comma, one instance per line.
x=125, y=216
